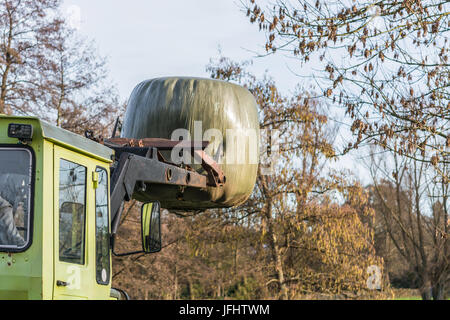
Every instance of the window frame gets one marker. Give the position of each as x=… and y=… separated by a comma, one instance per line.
x=29, y=241
x=105, y=283
x=85, y=212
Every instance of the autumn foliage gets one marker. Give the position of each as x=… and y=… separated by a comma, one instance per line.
x=302, y=232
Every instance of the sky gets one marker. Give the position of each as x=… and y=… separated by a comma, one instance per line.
x=145, y=39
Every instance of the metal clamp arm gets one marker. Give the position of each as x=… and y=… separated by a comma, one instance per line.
x=133, y=169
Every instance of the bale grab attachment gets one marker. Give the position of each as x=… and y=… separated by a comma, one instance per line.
x=139, y=162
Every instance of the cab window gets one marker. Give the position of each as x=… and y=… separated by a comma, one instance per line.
x=72, y=212
x=102, y=228
x=16, y=168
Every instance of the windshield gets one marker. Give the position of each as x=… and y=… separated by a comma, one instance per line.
x=15, y=197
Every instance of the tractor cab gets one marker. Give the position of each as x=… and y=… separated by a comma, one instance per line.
x=54, y=213
x=61, y=199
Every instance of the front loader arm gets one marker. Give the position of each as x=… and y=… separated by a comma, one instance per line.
x=134, y=170
x=138, y=166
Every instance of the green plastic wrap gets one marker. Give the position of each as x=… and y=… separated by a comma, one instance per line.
x=159, y=106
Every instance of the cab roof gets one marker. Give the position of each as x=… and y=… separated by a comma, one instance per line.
x=62, y=137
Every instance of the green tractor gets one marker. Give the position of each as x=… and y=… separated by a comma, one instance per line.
x=61, y=197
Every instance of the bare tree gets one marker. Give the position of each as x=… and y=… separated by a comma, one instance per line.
x=384, y=62
x=74, y=90
x=413, y=208
x=312, y=240
x=48, y=70
x=27, y=28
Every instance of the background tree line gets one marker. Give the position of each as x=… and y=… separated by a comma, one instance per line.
x=307, y=230
x=49, y=70
x=392, y=82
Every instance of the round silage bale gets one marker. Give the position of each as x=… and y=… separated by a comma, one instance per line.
x=220, y=112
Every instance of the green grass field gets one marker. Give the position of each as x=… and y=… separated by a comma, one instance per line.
x=411, y=298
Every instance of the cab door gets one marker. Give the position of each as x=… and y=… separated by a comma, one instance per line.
x=72, y=266
x=82, y=255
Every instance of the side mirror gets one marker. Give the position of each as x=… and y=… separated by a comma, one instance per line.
x=151, y=227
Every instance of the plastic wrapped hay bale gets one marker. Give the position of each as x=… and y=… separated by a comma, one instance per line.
x=220, y=112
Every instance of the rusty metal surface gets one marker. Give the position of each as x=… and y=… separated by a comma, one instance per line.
x=216, y=177
x=158, y=107
x=161, y=144
x=142, y=167
x=133, y=169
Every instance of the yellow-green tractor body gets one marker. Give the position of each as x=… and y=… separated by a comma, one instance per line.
x=51, y=263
